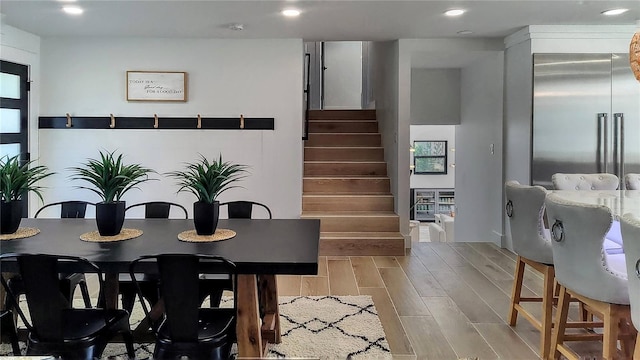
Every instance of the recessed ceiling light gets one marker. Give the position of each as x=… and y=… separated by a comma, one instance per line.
x=73, y=10
x=236, y=27
x=454, y=12
x=464, y=32
x=614, y=12
x=291, y=12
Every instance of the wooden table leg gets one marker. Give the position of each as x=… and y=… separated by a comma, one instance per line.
x=111, y=289
x=250, y=342
x=269, y=302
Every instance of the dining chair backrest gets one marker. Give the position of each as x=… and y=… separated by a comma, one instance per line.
x=72, y=209
x=159, y=209
x=630, y=226
x=186, y=325
x=46, y=303
x=577, y=232
x=632, y=181
x=243, y=209
x=600, y=181
x=525, y=211
x=56, y=327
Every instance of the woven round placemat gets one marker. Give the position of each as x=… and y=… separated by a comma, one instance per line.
x=634, y=55
x=21, y=233
x=125, y=234
x=220, y=234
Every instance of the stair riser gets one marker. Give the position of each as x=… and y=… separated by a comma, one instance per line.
x=347, y=203
x=346, y=185
x=343, y=127
x=343, y=140
x=374, y=169
x=355, y=154
x=342, y=114
x=355, y=223
x=362, y=247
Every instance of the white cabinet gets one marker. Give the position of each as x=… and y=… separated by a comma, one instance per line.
x=428, y=202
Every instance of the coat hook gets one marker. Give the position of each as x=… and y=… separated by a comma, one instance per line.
x=69, y=121
x=155, y=123
x=241, y=121
x=113, y=122
x=199, y=126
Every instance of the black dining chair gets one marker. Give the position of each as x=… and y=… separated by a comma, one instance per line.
x=185, y=328
x=8, y=329
x=159, y=209
x=239, y=209
x=55, y=328
x=242, y=209
x=147, y=283
x=71, y=209
x=68, y=281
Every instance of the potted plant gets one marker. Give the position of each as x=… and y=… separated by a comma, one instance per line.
x=206, y=180
x=110, y=179
x=15, y=182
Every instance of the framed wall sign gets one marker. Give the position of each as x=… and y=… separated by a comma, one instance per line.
x=156, y=86
x=430, y=157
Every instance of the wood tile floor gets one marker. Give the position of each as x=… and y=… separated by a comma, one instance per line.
x=440, y=301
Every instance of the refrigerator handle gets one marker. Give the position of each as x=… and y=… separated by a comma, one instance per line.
x=616, y=146
x=603, y=135
x=619, y=121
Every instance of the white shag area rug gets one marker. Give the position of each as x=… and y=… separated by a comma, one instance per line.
x=319, y=327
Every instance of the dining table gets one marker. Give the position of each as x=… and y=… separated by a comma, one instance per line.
x=620, y=202
x=261, y=249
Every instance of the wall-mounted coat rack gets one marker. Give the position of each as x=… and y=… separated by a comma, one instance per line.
x=154, y=122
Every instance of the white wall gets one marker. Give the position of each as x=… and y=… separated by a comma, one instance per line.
x=226, y=78
x=343, y=76
x=435, y=96
x=435, y=132
x=479, y=152
x=23, y=48
x=393, y=123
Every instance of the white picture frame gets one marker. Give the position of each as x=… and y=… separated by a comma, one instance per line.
x=157, y=86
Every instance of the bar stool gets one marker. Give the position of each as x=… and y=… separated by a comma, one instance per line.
x=585, y=181
x=586, y=272
x=525, y=208
x=631, y=233
x=632, y=181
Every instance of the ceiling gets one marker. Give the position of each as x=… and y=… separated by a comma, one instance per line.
x=320, y=20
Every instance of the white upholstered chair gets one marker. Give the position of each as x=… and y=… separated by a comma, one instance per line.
x=586, y=272
x=531, y=242
x=585, y=181
x=631, y=233
x=436, y=233
x=632, y=181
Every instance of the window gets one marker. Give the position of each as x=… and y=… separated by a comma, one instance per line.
x=430, y=157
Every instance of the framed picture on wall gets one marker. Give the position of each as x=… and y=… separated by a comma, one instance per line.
x=430, y=157
x=157, y=86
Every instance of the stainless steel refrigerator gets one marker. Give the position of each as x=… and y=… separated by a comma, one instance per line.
x=586, y=116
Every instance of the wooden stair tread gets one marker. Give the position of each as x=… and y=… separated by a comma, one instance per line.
x=359, y=235
x=338, y=177
x=349, y=148
x=347, y=195
x=310, y=214
x=343, y=162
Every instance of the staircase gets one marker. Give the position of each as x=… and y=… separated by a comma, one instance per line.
x=346, y=186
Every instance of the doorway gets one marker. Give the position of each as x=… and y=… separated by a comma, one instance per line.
x=14, y=113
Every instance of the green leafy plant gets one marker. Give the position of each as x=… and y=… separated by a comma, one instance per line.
x=206, y=180
x=16, y=180
x=110, y=177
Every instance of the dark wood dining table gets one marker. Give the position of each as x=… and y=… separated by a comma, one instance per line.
x=261, y=250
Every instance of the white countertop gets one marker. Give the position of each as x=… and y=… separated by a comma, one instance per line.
x=619, y=201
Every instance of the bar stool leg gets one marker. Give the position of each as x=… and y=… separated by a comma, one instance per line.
x=560, y=323
x=517, y=289
x=547, y=312
x=610, y=333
